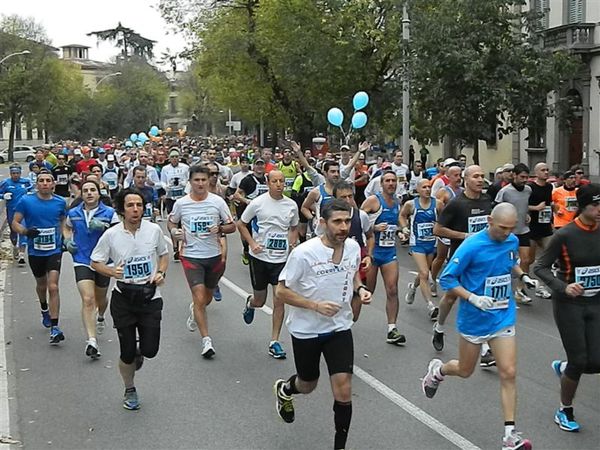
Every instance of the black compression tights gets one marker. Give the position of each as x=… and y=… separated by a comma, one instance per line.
x=149, y=340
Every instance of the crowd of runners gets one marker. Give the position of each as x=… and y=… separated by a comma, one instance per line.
x=319, y=228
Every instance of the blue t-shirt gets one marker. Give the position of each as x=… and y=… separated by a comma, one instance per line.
x=17, y=189
x=483, y=266
x=46, y=216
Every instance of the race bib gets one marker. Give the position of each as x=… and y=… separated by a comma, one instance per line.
x=176, y=191
x=103, y=192
x=148, y=212
x=112, y=184
x=499, y=289
x=138, y=269
x=201, y=224
x=46, y=240
x=276, y=243
x=387, y=238
x=261, y=189
x=62, y=179
x=545, y=215
x=572, y=204
x=289, y=182
x=476, y=224
x=425, y=231
x=589, y=278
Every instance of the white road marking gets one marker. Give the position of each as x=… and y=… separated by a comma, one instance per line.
x=4, y=414
x=427, y=420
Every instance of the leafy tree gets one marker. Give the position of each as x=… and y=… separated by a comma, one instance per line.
x=130, y=42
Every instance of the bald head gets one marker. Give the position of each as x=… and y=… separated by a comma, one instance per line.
x=470, y=170
x=503, y=211
x=541, y=171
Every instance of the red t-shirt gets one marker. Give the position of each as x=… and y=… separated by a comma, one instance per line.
x=84, y=166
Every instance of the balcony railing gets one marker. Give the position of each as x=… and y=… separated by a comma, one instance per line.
x=576, y=37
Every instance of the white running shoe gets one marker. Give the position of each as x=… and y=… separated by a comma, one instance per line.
x=542, y=292
x=410, y=294
x=208, y=351
x=191, y=321
x=522, y=297
x=100, y=326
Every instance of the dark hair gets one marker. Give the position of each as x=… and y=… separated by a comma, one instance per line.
x=520, y=168
x=119, y=201
x=92, y=166
x=90, y=181
x=328, y=164
x=387, y=172
x=333, y=206
x=45, y=172
x=139, y=169
x=198, y=169
x=341, y=185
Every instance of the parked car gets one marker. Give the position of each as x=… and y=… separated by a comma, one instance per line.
x=20, y=153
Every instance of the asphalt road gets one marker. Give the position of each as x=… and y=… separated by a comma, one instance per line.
x=60, y=399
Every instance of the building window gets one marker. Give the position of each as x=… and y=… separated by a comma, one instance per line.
x=542, y=9
x=576, y=11
x=172, y=105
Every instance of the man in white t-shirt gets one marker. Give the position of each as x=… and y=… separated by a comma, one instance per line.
x=318, y=282
x=274, y=232
x=141, y=258
x=204, y=218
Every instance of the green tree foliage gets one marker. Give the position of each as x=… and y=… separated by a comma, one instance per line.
x=131, y=102
x=130, y=42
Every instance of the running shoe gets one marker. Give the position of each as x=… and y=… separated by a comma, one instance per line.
x=100, y=325
x=409, y=298
x=487, y=360
x=557, y=367
x=522, y=297
x=565, y=420
x=433, y=287
x=394, y=337
x=433, y=312
x=276, y=351
x=46, y=321
x=438, y=339
x=56, y=335
x=176, y=256
x=217, y=294
x=139, y=359
x=21, y=261
x=542, y=292
x=248, y=311
x=515, y=442
x=131, y=401
x=190, y=323
x=91, y=350
x=16, y=253
x=284, y=404
x=208, y=351
x=432, y=379
x=245, y=259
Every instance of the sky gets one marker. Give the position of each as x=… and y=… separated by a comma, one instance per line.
x=68, y=22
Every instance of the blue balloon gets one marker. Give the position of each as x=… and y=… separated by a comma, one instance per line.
x=129, y=143
x=359, y=120
x=153, y=131
x=360, y=100
x=143, y=136
x=335, y=116
x=133, y=137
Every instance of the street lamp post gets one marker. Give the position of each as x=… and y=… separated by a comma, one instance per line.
x=24, y=52
x=405, y=82
x=116, y=74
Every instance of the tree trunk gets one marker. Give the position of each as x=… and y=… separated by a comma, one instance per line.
x=476, y=152
x=11, y=135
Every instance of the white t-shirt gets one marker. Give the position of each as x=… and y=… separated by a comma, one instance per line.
x=197, y=217
x=401, y=172
x=139, y=252
x=236, y=178
x=310, y=272
x=273, y=221
x=173, y=179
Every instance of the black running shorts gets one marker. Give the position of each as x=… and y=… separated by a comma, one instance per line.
x=125, y=312
x=42, y=265
x=263, y=273
x=85, y=273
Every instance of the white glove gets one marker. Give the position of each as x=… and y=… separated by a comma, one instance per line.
x=529, y=282
x=482, y=302
x=8, y=196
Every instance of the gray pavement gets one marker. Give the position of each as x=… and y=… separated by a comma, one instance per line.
x=61, y=399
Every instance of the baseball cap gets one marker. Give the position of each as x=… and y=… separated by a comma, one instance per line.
x=173, y=152
x=259, y=160
x=85, y=149
x=100, y=150
x=243, y=158
x=449, y=162
x=345, y=147
x=231, y=150
x=508, y=167
x=107, y=146
x=386, y=165
x=568, y=174
x=110, y=157
x=77, y=151
x=498, y=170
x=588, y=194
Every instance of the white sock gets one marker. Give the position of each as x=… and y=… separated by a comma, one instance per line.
x=271, y=343
x=439, y=328
x=92, y=341
x=508, y=429
x=484, y=348
x=391, y=326
x=563, y=367
x=562, y=406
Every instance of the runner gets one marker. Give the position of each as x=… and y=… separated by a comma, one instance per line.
x=564, y=199
x=62, y=174
x=320, y=317
x=517, y=193
x=320, y=195
x=173, y=178
x=290, y=170
x=204, y=218
x=141, y=257
x=360, y=231
x=576, y=298
x=417, y=219
x=85, y=223
x=465, y=215
x=44, y=214
x=540, y=211
x=274, y=220
x=384, y=210
x=11, y=190
x=215, y=187
x=479, y=273
x=140, y=176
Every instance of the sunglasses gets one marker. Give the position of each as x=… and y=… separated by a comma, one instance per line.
x=213, y=174
x=579, y=172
